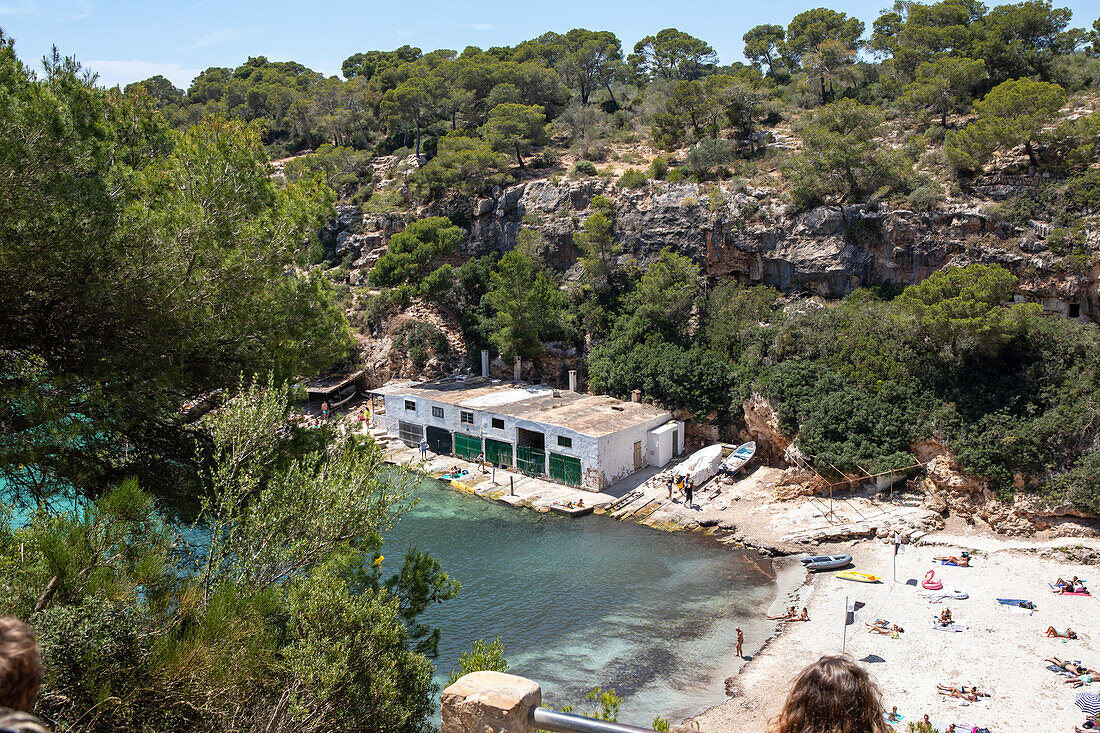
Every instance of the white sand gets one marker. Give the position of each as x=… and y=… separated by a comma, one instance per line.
x=1001, y=652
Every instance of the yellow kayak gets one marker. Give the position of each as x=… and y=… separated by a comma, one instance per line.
x=858, y=576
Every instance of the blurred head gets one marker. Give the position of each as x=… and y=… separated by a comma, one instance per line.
x=20, y=670
x=832, y=695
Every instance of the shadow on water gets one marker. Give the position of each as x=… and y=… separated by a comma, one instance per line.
x=592, y=601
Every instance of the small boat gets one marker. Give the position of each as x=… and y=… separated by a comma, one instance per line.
x=737, y=460
x=344, y=396
x=826, y=562
x=701, y=465
x=858, y=576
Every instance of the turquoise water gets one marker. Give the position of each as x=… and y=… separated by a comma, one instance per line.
x=590, y=601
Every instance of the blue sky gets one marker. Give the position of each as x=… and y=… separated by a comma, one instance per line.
x=129, y=40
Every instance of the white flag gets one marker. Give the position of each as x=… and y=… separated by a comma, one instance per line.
x=853, y=611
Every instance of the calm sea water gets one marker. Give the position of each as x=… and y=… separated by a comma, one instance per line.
x=590, y=601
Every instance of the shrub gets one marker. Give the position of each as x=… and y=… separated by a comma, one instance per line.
x=420, y=339
x=633, y=179
x=658, y=169
x=583, y=168
x=709, y=157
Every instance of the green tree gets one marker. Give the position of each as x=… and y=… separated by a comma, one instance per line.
x=529, y=308
x=481, y=657
x=842, y=157
x=467, y=164
x=764, y=47
x=177, y=279
x=412, y=252
x=515, y=128
x=944, y=85
x=968, y=307
x=160, y=89
x=592, y=60
x=417, y=102
x=811, y=28
x=673, y=54
x=1013, y=113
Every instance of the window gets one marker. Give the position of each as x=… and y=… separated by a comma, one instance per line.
x=410, y=433
x=437, y=412
x=466, y=418
x=498, y=423
x=565, y=442
x=410, y=405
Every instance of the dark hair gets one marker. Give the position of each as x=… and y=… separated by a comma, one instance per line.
x=832, y=695
x=20, y=669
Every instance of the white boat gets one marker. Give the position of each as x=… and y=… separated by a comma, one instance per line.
x=701, y=465
x=737, y=460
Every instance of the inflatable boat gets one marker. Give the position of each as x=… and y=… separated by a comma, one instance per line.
x=826, y=562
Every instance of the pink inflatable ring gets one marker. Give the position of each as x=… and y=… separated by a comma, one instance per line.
x=930, y=582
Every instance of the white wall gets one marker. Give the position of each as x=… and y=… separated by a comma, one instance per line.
x=584, y=447
x=617, y=449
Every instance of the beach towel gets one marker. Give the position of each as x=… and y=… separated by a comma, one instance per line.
x=948, y=562
x=939, y=597
x=1069, y=592
x=1059, y=671
x=948, y=627
x=1022, y=603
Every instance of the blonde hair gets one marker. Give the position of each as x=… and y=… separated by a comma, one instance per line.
x=832, y=695
x=20, y=669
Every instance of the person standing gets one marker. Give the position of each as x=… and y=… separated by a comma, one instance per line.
x=324, y=410
x=668, y=485
x=423, y=449
x=688, y=488
x=740, y=641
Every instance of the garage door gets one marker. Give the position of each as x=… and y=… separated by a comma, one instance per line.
x=498, y=453
x=566, y=469
x=439, y=440
x=410, y=433
x=531, y=461
x=467, y=446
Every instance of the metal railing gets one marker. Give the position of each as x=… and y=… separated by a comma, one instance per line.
x=558, y=722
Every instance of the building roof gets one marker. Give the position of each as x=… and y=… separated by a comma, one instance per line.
x=592, y=415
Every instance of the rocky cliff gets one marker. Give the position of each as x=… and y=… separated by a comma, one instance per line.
x=745, y=233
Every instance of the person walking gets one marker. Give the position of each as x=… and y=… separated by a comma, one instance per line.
x=740, y=641
x=688, y=488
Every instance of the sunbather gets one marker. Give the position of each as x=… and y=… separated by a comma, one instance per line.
x=804, y=616
x=962, y=562
x=962, y=690
x=893, y=717
x=790, y=614
x=885, y=628
x=1072, y=667
x=1053, y=633
x=1081, y=679
x=945, y=617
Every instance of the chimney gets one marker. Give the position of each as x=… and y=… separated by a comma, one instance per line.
x=484, y=362
x=572, y=380
x=635, y=395
x=519, y=368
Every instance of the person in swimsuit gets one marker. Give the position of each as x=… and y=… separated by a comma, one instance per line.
x=740, y=641
x=962, y=562
x=945, y=617
x=1053, y=633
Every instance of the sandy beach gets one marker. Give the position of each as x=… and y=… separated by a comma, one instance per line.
x=1001, y=651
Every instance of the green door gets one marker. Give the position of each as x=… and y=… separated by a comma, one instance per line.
x=467, y=446
x=498, y=453
x=566, y=469
x=531, y=461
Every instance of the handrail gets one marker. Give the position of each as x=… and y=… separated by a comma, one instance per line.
x=559, y=722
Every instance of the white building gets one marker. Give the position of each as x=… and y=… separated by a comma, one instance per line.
x=583, y=440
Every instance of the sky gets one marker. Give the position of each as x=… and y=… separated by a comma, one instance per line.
x=131, y=40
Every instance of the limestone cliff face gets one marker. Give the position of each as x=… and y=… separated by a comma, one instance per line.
x=742, y=233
